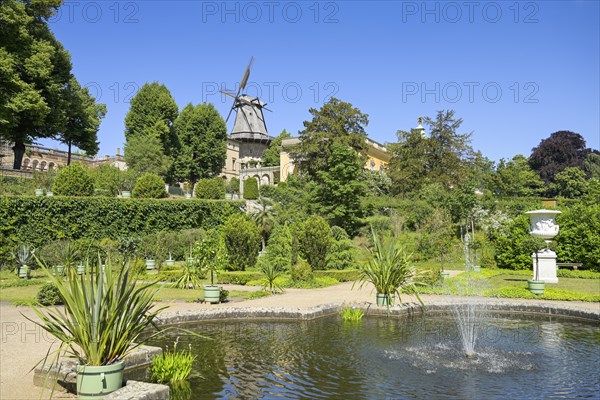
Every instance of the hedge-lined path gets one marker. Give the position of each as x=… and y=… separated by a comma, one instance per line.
x=23, y=344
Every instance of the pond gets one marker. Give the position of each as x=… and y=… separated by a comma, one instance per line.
x=378, y=358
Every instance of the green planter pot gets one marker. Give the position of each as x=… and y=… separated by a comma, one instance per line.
x=97, y=381
x=81, y=269
x=59, y=270
x=150, y=264
x=188, y=195
x=24, y=272
x=476, y=268
x=445, y=274
x=39, y=192
x=125, y=194
x=384, y=299
x=49, y=194
x=170, y=263
x=536, y=287
x=212, y=294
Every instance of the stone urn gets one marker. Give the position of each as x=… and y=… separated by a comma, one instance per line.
x=544, y=226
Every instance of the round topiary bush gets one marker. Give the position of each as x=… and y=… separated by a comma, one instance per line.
x=150, y=186
x=73, y=180
x=210, y=188
x=49, y=295
x=251, y=189
x=301, y=272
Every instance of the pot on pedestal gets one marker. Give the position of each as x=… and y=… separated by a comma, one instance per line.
x=544, y=226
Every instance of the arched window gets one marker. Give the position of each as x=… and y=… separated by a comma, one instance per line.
x=265, y=180
x=34, y=165
x=43, y=166
x=50, y=166
x=26, y=163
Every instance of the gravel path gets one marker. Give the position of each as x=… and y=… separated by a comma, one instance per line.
x=23, y=344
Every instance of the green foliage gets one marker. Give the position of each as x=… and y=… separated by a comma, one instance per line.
x=211, y=253
x=340, y=188
x=577, y=273
x=378, y=183
x=171, y=365
x=239, y=277
x=150, y=186
x=514, y=245
x=335, y=123
x=570, y=182
x=389, y=270
x=38, y=220
x=516, y=178
x=144, y=154
x=106, y=180
x=190, y=277
x=201, y=143
x=251, y=189
x=223, y=295
x=591, y=165
x=579, y=237
x=262, y=215
x=301, y=272
x=270, y=273
x=314, y=241
x=271, y=155
x=347, y=275
x=49, y=295
x=211, y=188
x=99, y=307
x=341, y=255
x=73, y=180
x=352, y=314
x=279, y=251
x=259, y=294
x=233, y=185
x=242, y=241
x=152, y=112
x=549, y=294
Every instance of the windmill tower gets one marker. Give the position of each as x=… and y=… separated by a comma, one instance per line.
x=249, y=128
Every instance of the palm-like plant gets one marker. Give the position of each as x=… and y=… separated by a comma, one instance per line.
x=104, y=314
x=389, y=270
x=263, y=217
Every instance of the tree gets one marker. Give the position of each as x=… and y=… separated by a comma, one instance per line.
x=337, y=122
x=561, y=150
x=73, y=180
x=314, y=240
x=150, y=186
x=152, y=104
x=408, y=166
x=83, y=121
x=340, y=188
x=201, y=143
x=591, y=165
x=271, y=156
x=263, y=218
x=106, y=179
x=210, y=188
x=448, y=150
x=242, y=241
x=250, y=189
x=279, y=250
x=36, y=84
x=516, y=178
x=145, y=155
x=570, y=182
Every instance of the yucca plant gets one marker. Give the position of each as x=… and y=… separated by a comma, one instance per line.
x=190, y=277
x=103, y=316
x=389, y=270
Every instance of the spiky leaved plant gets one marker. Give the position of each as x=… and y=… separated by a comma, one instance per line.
x=103, y=316
x=389, y=270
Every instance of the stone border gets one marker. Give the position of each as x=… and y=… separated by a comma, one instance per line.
x=303, y=314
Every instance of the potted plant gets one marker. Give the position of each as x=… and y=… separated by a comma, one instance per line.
x=389, y=271
x=104, y=314
x=126, y=182
x=535, y=285
x=24, y=253
x=150, y=249
x=211, y=256
x=187, y=189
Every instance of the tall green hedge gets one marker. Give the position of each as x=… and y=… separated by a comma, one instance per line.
x=38, y=220
x=251, y=189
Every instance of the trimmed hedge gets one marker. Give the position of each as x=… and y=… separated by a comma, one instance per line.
x=251, y=189
x=344, y=275
x=238, y=277
x=39, y=220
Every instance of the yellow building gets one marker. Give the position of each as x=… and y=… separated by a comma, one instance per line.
x=377, y=157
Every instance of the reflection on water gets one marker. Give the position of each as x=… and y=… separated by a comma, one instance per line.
x=392, y=358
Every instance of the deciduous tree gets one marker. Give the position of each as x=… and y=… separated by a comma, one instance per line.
x=561, y=150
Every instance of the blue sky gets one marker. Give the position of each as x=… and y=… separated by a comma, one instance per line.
x=514, y=71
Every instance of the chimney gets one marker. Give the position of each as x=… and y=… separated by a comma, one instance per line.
x=118, y=152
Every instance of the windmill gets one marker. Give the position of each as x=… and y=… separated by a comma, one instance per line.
x=249, y=127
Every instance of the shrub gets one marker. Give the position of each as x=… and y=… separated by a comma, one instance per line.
x=301, y=272
x=38, y=220
x=251, y=189
x=242, y=241
x=512, y=249
x=150, y=186
x=579, y=237
x=49, y=295
x=233, y=185
x=172, y=365
x=210, y=188
x=279, y=249
x=73, y=180
x=348, y=275
x=352, y=314
x=314, y=239
x=238, y=277
x=342, y=255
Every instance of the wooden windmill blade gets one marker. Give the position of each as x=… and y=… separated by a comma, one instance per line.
x=244, y=80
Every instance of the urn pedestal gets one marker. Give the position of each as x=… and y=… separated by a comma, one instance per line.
x=543, y=226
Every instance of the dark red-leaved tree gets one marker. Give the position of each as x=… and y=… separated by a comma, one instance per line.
x=561, y=150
